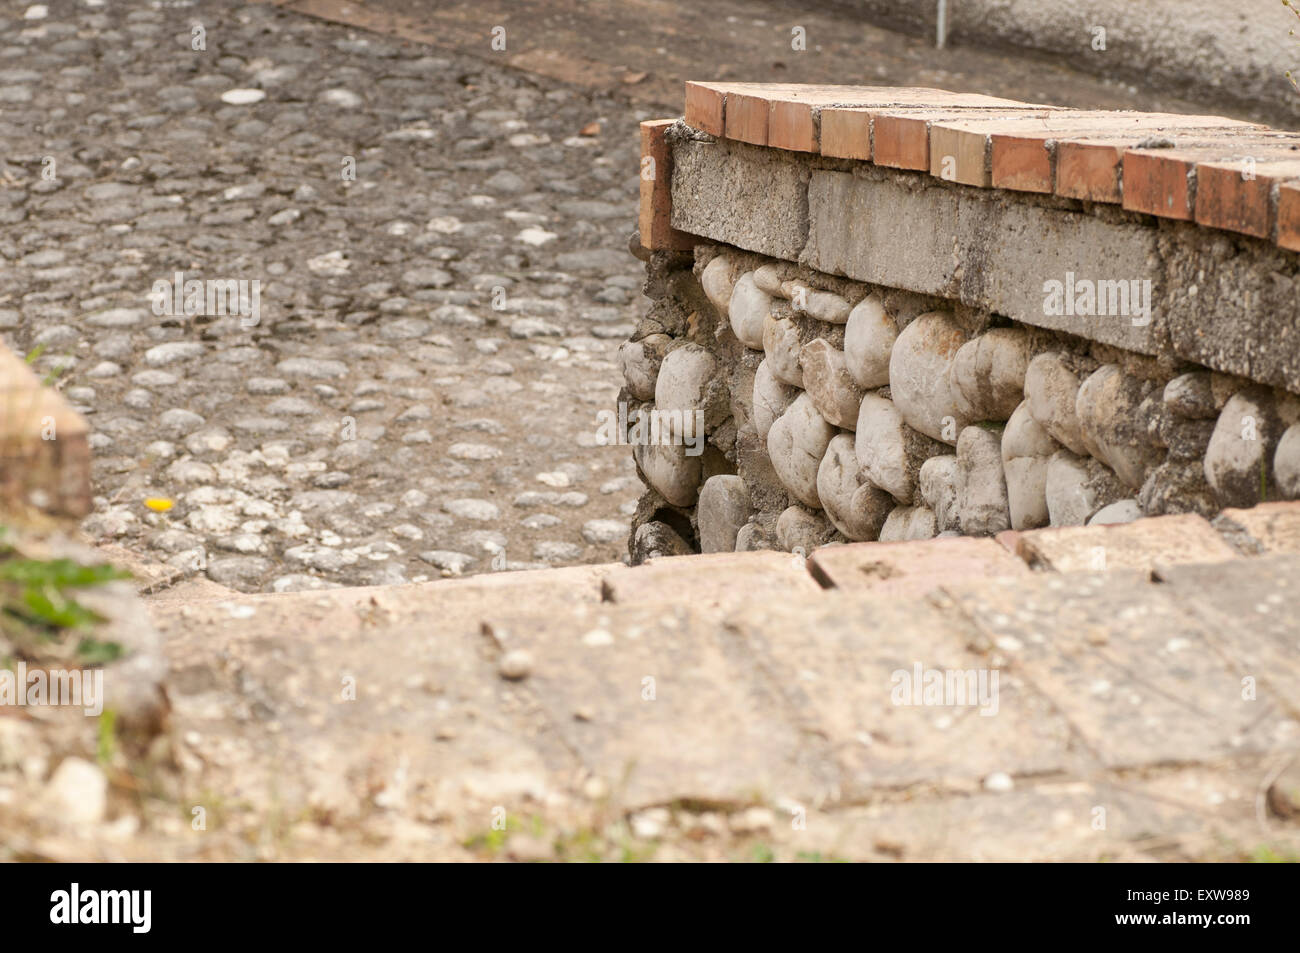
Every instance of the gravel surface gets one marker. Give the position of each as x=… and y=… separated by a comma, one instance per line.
x=434, y=336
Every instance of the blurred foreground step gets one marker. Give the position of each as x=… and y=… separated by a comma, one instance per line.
x=44, y=454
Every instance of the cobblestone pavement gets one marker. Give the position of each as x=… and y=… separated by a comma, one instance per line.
x=419, y=393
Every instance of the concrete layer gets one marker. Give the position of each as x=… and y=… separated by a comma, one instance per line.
x=1227, y=302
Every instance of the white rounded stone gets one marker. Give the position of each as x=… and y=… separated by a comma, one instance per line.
x=77, y=793
x=796, y=444
x=989, y=373
x=768, y=277
x=722, y=510
x=640, y=362
x=920, y=380
x=1124, y=511
x=717, y=283
x=1110, y=425
x=854, y=506
x=242, y=97
x=1077, y=487
x=907, y=523
x=671, y=471
x=801, y=531
x=1051, y=389
x=771, y=398
x=748, y=311
x=889, y=452
x=869, y=337
x=1242, y=445
x=688, y=381
x=1026, y=449
x=1286, y=463
x=821, y=305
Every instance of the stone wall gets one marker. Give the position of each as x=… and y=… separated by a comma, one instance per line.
x=944, y=396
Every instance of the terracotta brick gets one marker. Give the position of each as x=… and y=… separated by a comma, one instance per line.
x=1088, y=166
x=705, y=105
x=1163, y=181
x=746, y=117
x=900, y=125
x=654, y=218
x=1090, y=169
x=901, y=140
x=1238, y=195
x=1158, y=182
x=845, y=133
x=1225, y=198
x=798, y=113
x=1288, y=215
x=960, y=148
x=901, y=136
x=791, y=125
x=1026, y=158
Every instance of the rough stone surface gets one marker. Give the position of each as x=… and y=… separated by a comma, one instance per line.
x=940, y=484
x=782, y=346
x=1109, y=408
x=1077, y=487
x=827, y=380
x=741, y=195
x=982, y=488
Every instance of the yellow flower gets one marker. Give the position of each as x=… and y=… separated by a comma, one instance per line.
x=159, y=504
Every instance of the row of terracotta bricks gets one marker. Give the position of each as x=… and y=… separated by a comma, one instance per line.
x=1217, y=172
